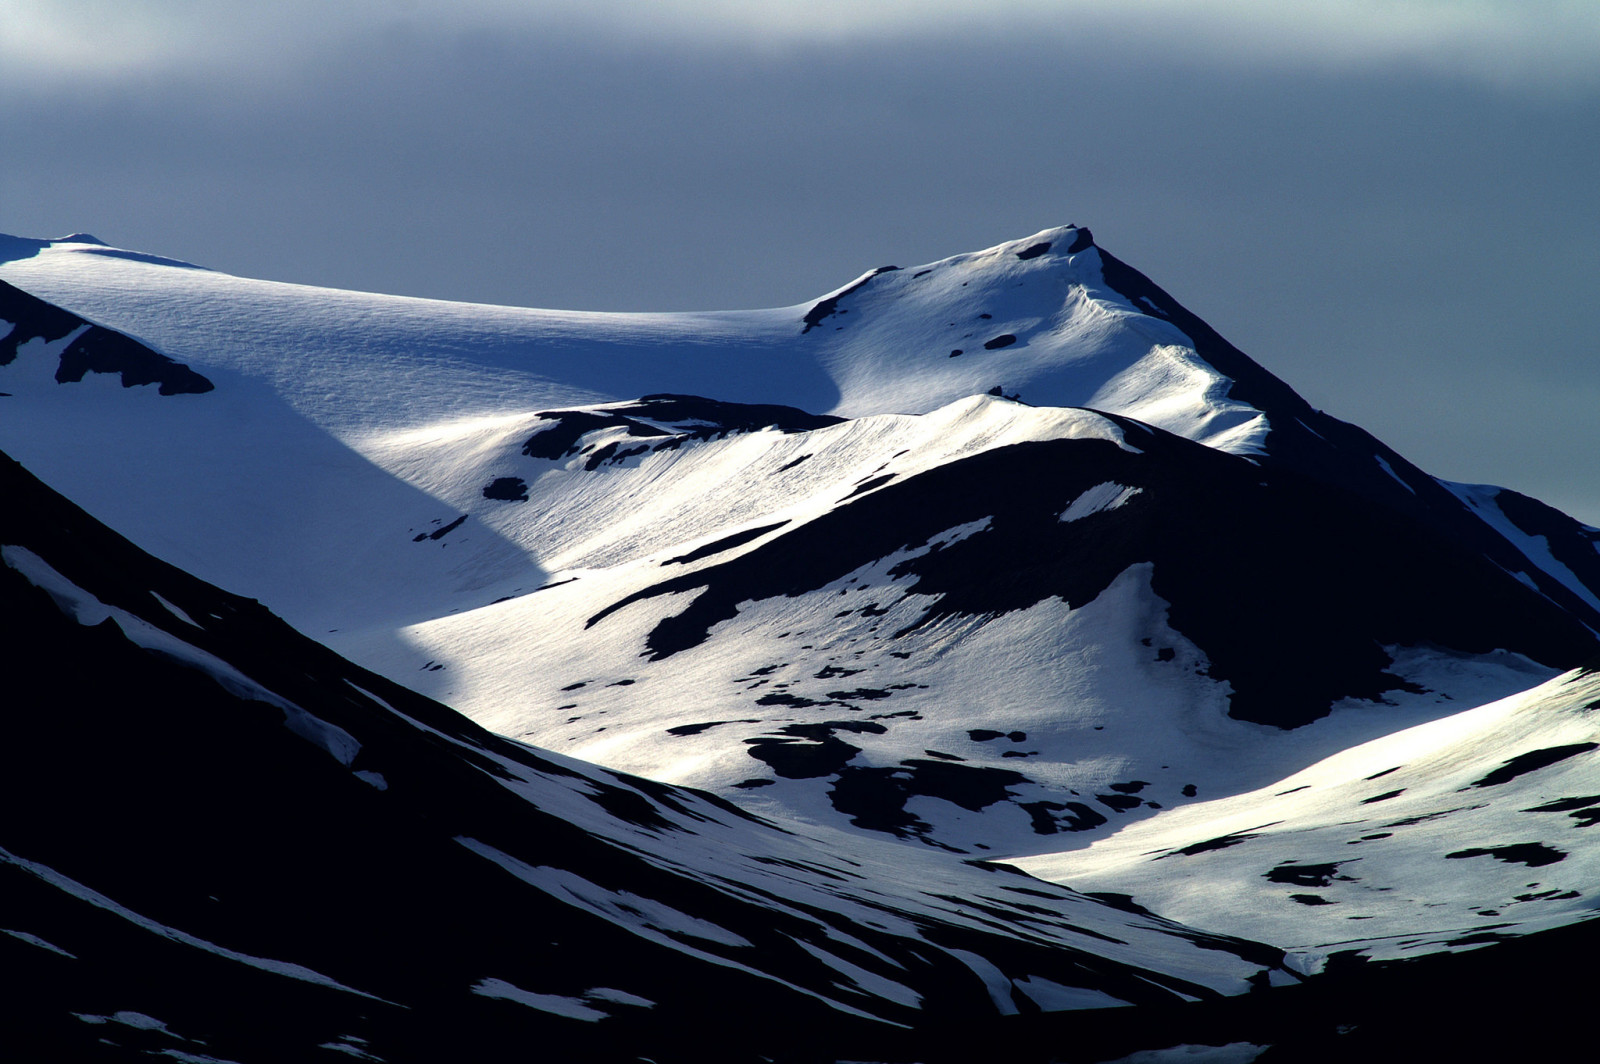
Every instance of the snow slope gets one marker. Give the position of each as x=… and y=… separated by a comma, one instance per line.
x=304, y=851
x=1454, y=834
x=972, y=627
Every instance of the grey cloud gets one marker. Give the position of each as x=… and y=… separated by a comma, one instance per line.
x=1413, y=253
x=1537, y=43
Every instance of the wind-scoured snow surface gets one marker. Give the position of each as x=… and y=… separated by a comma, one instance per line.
x=1043, y=324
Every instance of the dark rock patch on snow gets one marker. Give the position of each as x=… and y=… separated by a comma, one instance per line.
x=726, y=543
x=506, y=489
x=713, y=417
x=983, y=735
x=31, y=318
x=611, y=452
x=1033, y=251
x=875, y=798
x=664, y=422
x=1221, y=842
x=1532, y=854
x=95, y=350
x=784, y=698
x=1532, y=761
x=696, y=729
x=1003, y=340
x=1079, y=817
x=860, y=694
x=1583, y=810
x=1384, y=797
x=1304, y=875
x=1422, y=818
x=561, y=440
x=441, y=532
x=100, y=350
x=810, y=751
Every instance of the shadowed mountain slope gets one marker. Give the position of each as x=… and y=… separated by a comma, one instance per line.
x=238, y=846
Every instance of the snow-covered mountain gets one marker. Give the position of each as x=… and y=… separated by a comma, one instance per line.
x=1174, y=562
x=1000, y=556
x=208, y=807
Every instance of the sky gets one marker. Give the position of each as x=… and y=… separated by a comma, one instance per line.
x=1391, y=204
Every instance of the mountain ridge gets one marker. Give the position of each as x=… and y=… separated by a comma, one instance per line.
x=1003, y=562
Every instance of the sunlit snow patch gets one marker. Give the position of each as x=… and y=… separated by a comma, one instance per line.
x=35, y=940
x=571, y=1008
x=1101, y=497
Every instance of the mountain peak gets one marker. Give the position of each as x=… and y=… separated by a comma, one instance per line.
x=1060, y=240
